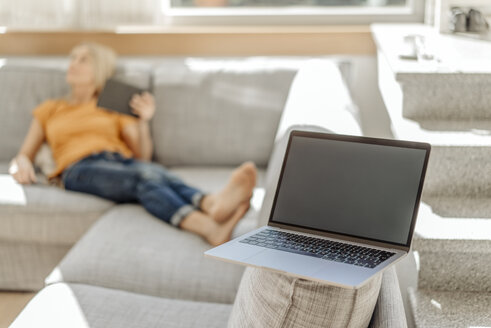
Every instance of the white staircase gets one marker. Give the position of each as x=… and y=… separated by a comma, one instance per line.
x=434, y=308
x=446, y=103
x=452, y=238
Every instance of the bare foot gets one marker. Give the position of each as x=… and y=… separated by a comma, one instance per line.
x=223, y=232
x=222, y=205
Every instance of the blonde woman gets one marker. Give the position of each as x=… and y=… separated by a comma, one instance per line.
x=107, y=154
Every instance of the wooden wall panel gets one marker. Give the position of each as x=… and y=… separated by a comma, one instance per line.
x=196, y=41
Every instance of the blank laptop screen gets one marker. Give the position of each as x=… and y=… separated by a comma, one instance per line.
x=353, y=188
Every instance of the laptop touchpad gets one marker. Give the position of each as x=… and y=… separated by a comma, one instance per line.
x=284, y=261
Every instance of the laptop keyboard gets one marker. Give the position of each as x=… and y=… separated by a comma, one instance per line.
x=317, y=247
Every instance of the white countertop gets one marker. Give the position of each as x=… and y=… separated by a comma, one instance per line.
x=455, y=54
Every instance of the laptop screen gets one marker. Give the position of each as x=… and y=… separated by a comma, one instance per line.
x=356, y=187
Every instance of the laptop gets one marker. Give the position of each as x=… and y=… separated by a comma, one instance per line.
x=344, y=209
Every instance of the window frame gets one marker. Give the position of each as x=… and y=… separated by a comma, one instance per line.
x=245, y=16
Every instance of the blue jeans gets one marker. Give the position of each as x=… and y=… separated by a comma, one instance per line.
x=127, y=180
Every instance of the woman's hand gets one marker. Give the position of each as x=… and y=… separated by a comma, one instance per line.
x=143, y=105
x=22, y=170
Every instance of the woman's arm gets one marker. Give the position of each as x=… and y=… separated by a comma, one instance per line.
x=21, y=167
x=137, y=136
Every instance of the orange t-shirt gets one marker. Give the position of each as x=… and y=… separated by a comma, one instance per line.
x=76, y=131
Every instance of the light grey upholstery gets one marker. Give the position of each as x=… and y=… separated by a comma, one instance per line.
x=39, y=224
x=219, y=111
x=131, y=250
x=268, y=299
x=25, y=264
x=23, y=89
x=46, y=214
x=77, y=305
x=82, y=306
x=28, y=82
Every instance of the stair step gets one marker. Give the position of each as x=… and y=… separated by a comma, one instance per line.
x=460, y=161
x=460, y=207
x=471, y=101
x=456, y=86
x=454, y=253
x=450, y=309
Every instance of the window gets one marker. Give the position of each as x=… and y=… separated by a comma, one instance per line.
x=285, y=3
x=97, y=14
x=291, y=12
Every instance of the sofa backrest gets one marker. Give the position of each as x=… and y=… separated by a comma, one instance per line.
x=27, y=82
x=219, y=111
x=210, y=111
x=22, y=88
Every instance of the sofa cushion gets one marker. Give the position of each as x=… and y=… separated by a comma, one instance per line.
x=38, y=225
x=25, y=265
x=45, y=214
x=219, y=111
x=23, y=89
x=82, y=306
x=129, y=249
x=269, y=299
x=27, y=82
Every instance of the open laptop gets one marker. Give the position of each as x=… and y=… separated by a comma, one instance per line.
x=344, y=210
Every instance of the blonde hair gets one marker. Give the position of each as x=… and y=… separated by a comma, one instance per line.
x=104, y=61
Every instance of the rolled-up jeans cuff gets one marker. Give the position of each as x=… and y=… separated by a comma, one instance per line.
x=180, y=214
x=197, y=198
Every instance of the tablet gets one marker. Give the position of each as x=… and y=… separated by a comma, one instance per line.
x=116, y=96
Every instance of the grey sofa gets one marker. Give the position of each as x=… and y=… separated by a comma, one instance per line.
x=110, y=265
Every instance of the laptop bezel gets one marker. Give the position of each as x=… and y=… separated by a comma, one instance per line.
x=359, y=139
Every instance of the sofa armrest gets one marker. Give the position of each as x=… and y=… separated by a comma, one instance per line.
x=389, y=310
x=319, y=97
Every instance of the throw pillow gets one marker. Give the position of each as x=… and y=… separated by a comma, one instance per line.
x=272, y=300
